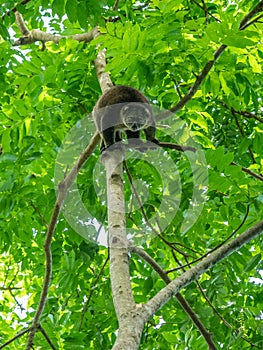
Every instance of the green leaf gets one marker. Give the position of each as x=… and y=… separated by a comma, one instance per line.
x=71, y=10
x=58, y=7
x=224, y=85
x=256, y=67
x=203, y=140
x=4, y=32
x=82, y=13
x=199, y=120
x=131, y=37
x=110, y=28
x=170, y=337
x=214, y=83
x=252, y=263
x=148, y=285
x=6, y=140
x=237, y=41
x=160, y=48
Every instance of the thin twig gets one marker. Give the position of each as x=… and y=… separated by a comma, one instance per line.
x=115, y=6
x=256, y=20
x=19, y=335
x=236, y=331
x=217, y=247
x=39, y=214
x=245, y=114
x=177, y=147
x=63, y=190
x=245, y=21
x=195, y=272
x=201, y=7
x=249, y=172
x=92, y=289
x=14, y=9
x=47, y=338
x=243, y=135
x=206, y=11
x=208, y=66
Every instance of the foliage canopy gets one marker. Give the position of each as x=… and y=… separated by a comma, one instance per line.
x=159, y=47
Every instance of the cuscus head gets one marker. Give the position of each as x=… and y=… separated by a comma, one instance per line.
x=136, y=116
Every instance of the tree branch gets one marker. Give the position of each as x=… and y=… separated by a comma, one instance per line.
x=249, y=172
x=92, y=289
x=64, y=187
x=62, y=193
x=14, y=338
x=118, y=243
x=21, y=24
x=192, y=91
x=47, y=338
x=200, y=78
x=242, y=134
x=14, y=9
x=115, y=6
x=182, y=301
x=237, y=332
x=204, y=8
x=245, y=114
x=215, y=248
x=100, y=66
x=245, y=21
x=29, y=37
x=176, y=146
x=38, y=35
x=128, y=313
x=153, y=305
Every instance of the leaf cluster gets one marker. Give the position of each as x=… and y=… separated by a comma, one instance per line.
x=159, y=47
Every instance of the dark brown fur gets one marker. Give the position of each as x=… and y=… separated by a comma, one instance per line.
x=111, y=116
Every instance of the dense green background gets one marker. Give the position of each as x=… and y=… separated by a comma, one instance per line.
x=158, y=47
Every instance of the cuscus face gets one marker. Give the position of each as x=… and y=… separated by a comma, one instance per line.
x=136, y=116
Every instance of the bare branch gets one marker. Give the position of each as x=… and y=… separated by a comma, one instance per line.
x=243, y=135
x=182, y=301
x=63, y=190
x=193, y=273
x=237, y=332
x=39, y=214
x=206, y=11
x=14, y=338
x=116, y=4
x=38, y=35
x=255, y=20
x=47, y=338
x=204, y=8
x=250, y=116
x=100, y=65
x=118, y=243
x=215, y=248
x=249, y=172
x=29, y=37
x=21, y=24
x=128, y=313
x=92, y=289
x=245, y=21
x=245, y=114
x=200, y=78
x=177, y=147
